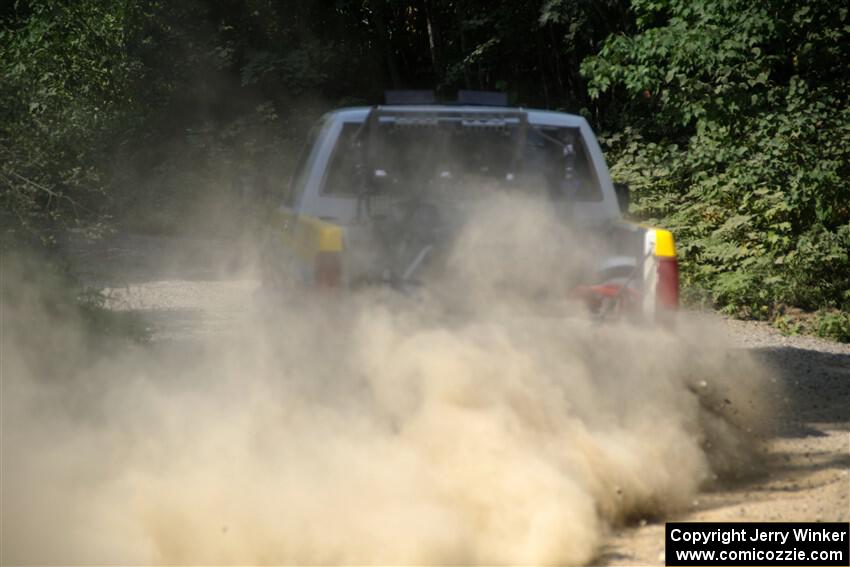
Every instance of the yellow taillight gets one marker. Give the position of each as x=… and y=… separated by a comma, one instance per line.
x=665, y=246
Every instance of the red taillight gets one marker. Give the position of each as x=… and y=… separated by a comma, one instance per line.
x=667, y=291
x=617, y=298
x=328, y=269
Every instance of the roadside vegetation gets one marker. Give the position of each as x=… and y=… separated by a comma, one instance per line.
x=736, y=137
x=728, y=118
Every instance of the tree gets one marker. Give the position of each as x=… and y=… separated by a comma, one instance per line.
x=65, y=98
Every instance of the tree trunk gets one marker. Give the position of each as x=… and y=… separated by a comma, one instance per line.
x=460, y=12
x=432, y=25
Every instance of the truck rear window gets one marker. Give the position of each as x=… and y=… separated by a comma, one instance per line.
x=551, y=162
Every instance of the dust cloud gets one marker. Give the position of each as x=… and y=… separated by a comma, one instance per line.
x=452, y=427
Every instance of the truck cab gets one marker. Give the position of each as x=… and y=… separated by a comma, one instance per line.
x=396, y=171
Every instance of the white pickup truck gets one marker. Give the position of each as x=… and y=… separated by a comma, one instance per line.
x=374, y=170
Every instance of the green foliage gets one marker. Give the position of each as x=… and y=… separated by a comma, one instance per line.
x=834, y=325
x=64, y=98
x=738, y=142
x=828, y=323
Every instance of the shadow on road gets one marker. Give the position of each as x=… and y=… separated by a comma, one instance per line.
x=817, y=388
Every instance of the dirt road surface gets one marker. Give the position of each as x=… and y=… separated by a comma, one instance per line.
x=184, y=288
x=807, y=478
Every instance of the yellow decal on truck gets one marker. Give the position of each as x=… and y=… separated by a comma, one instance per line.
x=315, y=235
x=305, y=241
x=665, y=247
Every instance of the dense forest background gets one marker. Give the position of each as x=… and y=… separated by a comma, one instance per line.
x=729, y=118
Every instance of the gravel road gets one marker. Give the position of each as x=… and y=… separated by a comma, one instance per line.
x=807, y=477
x=172, y=283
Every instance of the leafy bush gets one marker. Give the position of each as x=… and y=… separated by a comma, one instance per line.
x=834, y=325
x=738, y=142
x=64, y=96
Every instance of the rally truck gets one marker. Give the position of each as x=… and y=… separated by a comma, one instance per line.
x=361, y=208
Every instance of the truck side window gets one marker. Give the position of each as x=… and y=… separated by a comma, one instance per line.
x=298, y=181
x=588, y=187
x=342, y=168
x=568, y=170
